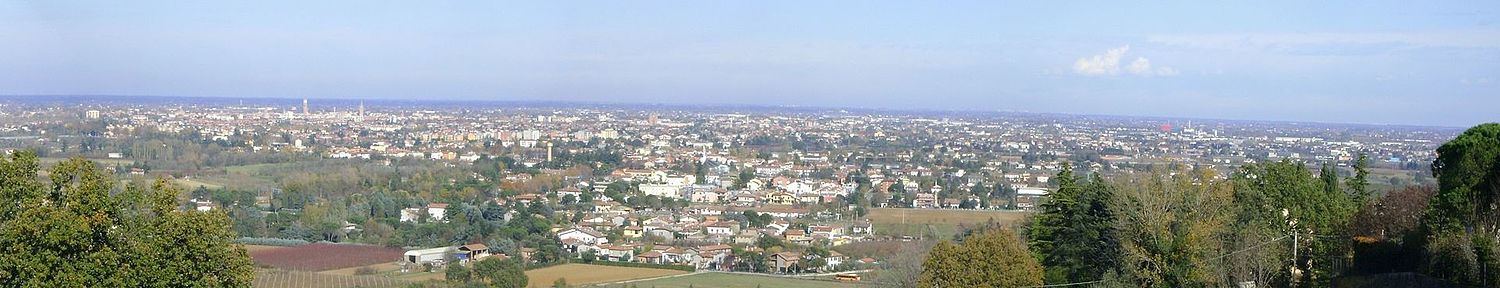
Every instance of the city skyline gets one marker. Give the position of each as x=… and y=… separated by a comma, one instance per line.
x=1371, y=63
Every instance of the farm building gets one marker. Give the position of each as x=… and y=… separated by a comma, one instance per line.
x=424, y=256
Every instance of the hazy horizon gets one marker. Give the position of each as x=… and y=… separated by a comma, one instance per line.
x=1429, y=63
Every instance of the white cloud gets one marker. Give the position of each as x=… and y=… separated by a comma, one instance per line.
x=1140, y=65
x=1104, y=64
x=1109, y=64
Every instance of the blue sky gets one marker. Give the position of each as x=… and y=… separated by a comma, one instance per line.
x=1396, y=62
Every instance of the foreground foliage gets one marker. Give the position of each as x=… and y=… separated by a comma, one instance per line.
x=79, y=230
x=994, y=258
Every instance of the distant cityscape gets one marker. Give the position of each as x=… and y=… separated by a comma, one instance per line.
x=695, y=187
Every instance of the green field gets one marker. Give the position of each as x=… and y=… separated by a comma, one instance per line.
x=253, y=168
x=194, y=183
x=727, y=280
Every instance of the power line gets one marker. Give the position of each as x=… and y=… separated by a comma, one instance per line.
x=1256, y=246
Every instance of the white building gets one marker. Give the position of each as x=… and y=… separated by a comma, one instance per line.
x=585, y=235
x=663, y=190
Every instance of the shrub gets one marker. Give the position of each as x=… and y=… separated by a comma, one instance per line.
x=365, y=270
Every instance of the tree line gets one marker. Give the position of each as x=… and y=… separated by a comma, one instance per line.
x=1273, y=224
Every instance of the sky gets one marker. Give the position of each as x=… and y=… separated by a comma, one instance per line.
x=1378, y=62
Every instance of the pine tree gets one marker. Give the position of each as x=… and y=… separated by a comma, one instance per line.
x=1359, y=185
x=1079, y=215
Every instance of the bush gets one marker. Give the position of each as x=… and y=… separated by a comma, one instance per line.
x=1451, y=257
x=365, y=270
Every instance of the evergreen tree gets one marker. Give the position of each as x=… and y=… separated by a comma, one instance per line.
x=1080, y=216
x=1464, y=216
x=1468, y=172
x=1359, y=184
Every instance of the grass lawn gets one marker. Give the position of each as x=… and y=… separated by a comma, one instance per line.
x=191, y=184
x=714, y=279
x=579, y=274
x=943, y=222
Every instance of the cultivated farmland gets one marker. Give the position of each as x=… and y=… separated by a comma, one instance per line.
x=578, y=274
x=733, y=280
x=322, y=256
x=942, y=222
x=274, y=278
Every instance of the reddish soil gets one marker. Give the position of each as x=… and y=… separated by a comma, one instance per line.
x=322, y=256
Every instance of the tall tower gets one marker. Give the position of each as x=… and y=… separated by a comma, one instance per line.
x=549, y=152
x=361, y=109
x=304, y=107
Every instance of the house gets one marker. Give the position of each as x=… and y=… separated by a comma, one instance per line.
x=722, y=228
x=203, y=205
x=570, y=191
x=781, y=197
x=809, y=197
x=663, y=190
x=1028, y=197
x=782, y=211
x=527, y=198
x=862, y=227
x=579, y=247
x=827, y=231
x=924, y=200
x=786, y=261
x=755, y=184
x=707, y=195
x=437, y=211
x=584, y=235
x=834, y=259
x=952, y=203
x=713, y=256
x=779, y=225
x=632, y=231
x=797, y=236
x=473, y=252
x=652, y=257
x=411, y=214
x=617, y=252
x=746, y=237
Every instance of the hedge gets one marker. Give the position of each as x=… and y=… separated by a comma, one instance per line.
x=687, y=268
x=270, y=241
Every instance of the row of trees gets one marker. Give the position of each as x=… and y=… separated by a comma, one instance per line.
x=1274, y=224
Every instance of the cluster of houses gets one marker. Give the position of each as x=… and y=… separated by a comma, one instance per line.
x=585, y=241
x=701, y=235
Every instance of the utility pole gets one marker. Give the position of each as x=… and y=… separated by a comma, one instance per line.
x=1294, y=273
